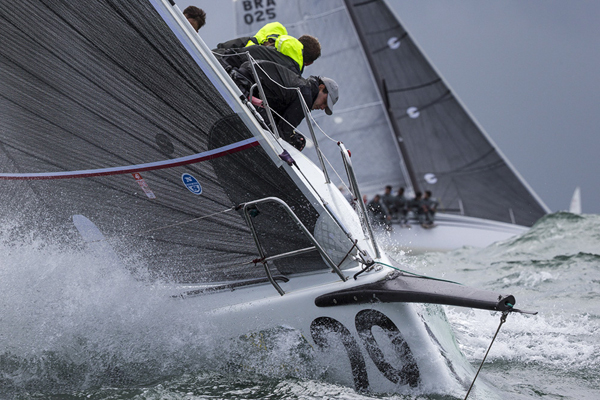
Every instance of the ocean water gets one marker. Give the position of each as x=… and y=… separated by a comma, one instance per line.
x=72, y=327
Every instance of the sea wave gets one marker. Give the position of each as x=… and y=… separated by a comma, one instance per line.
x=81, y=326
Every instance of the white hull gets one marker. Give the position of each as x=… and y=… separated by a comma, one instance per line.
x=450, y=232
x=257, y=311
x=437, y=364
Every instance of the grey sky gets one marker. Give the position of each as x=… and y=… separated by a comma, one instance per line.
x=526, y=70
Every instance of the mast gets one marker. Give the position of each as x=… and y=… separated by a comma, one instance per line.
x=410, y=175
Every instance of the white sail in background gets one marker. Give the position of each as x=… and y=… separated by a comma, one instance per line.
x=575, y=206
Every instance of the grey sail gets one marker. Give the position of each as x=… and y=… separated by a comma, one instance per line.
x=115, y=120
x=405, y=125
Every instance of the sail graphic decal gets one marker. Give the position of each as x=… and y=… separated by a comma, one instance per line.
x=195, y=158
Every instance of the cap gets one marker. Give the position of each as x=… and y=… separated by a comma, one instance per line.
x=332, y=93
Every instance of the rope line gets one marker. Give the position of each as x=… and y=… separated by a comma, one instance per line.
x=417, y=275
x=502, y=321
x=164, y=226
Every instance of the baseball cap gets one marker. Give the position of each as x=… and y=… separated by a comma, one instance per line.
x=332, y=93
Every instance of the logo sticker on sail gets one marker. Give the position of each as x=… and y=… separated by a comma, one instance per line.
x=413, y=112
x=144, y=185
x=191, y=183
x=430, y=178
x=394, y=43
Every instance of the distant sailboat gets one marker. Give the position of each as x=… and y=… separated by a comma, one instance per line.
x=404, y=125
x=575, y=206
x=122, y=136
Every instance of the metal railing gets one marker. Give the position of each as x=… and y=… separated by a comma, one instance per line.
x=351, y=177
x=364, y=216
x=263, y=98
x=294, y=217
x=306, y=112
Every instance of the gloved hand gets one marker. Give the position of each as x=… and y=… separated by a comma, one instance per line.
x=297, y=140
x=241, y=81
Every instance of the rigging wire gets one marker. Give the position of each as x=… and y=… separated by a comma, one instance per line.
x=415, y=274
x=309, y=115
x=310, y=118
x=140, y=233
x=253, y=60
x=319, y=150
x=502, y=321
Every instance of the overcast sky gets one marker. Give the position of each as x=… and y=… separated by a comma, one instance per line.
x=527, y=70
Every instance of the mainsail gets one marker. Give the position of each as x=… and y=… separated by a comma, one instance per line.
x=108, y=110
x=405, y=126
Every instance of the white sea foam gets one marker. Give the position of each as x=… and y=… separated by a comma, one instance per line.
x=66, y=312
x=548, y=341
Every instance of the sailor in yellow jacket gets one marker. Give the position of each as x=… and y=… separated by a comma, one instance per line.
x=286, y=50
x=266, y=36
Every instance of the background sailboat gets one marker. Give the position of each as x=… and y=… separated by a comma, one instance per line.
x=404, y=125
x=575, y=206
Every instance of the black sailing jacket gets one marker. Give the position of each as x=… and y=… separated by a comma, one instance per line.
x=275, y=79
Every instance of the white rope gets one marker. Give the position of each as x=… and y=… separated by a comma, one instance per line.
x=164, y=226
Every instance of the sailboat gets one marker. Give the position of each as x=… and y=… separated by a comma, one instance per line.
x=404, y=125
x=121, y=135
x=575, y=206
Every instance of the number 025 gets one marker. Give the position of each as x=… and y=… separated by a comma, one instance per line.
x=260, y=16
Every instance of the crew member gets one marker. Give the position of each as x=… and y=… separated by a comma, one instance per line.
x=279, y=83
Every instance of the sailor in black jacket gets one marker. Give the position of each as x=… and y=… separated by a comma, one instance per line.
x=279, y=85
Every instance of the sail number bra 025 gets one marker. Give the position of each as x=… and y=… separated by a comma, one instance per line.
x=261, y=11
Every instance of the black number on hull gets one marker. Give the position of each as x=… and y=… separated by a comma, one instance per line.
x=409, y=373
x=321, y=327
x=365, y=320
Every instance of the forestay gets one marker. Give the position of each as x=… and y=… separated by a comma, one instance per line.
x=106, y=114
x=404, y=125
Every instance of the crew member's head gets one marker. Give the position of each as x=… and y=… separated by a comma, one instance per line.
x=196, y=16
x=328, y=95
